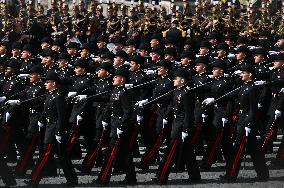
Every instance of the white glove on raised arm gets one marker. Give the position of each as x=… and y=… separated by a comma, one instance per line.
x=2, y=99
x=105, y=124
x=40, y=125
x=58, y=138
x=277, y=114
x=224, y=120
x=71, y=94
x=128, y=86
x=208, y=101
x=184, y=135
x=259, y=82
x=81, y=97
x=119, y=132
x=247, y=130
x=13, y=102
x=79, y=119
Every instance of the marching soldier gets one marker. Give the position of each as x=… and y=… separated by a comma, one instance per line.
x=54, y=117
x=246, y=132
x=27, y=61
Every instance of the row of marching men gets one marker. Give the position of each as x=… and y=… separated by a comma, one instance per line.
x=181, y=107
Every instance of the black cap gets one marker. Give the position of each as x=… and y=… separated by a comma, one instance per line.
x=223, y=46
x=37, y=69
x=170, y=51
x=158, y=50
x=205, y=44
x=58, y=42
x=102, y=38
x=122, y=72
x=260, y=51
x=203, y=59
x=165, y=63
x=7, y=44
x=28, y=48
x=14, y=64
x=280, y=57
x=86, y=46
x=242, y=40
x=220, y=64
x=106, y=66
x=122, y=54
x=118, y=40
x=108, y=55
x=144, y=46
x=51, y=75
x=65, y=56
x=188, y=54
x=242, y=49
x=73, y=45
x=181, y=73
x=157, y=36
x=248, y=68
x=213, y=35
x=47, y=40
x=49, y=53
x=16, y=45
x=138, y=59
x=102, y=51
x=81, y=63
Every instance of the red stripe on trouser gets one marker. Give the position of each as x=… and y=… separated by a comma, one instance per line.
x=268, y=137
x=90, y=161
x=214, y=147
x=133, y=136
x=23, y=163
x=168, y=162
x=238, y=156
x=42, y=163
x=152, y=119
x=72, y=140
x=196, y=136
x=107, y=169
x=6, y=140
x=154, y=149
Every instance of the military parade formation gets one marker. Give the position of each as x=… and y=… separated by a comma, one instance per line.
x=202, y=79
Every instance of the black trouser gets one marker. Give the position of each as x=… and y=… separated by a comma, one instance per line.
x=48, y=161
x=176, y=148
x=5, y=172
x=250, y=143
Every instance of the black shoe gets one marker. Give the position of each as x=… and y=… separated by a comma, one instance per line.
x=142, y=167
x=32, y=184
x=227, y=178
x=9, y=183
x=205, y=167
x=191, y=181
x=157, y=181
x=71, y=184
x=261, y=179
x=99, y=182
x=128, y=182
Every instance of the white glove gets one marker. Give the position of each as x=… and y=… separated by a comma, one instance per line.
x=247, y=130
x=277, y=114
x=259, y=83
x=2, y=99
x=40, y=125
x=150, y=72
x=79, y=119
x=211, y=76
x=128, y=86
x=184, y=135
x=259, y=105
x=165, y=122
x=208, y=101
x=224, y=120
x=7, y=116
x=58, y=138
x=282, y=90
x=119, y=132
x=204, y=116
x=270, y=68
x=71, y=94
x=237, y=72
x=105, y=124
x=81, y=97
x=23, y=75
x=142, y=102
x=139, y=119
x=13, y=102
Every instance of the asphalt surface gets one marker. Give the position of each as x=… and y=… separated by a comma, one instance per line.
x=209, y=178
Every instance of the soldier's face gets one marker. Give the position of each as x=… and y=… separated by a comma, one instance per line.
x=84, y=53
x=55, y=48
x=200, y=67
x=3, y=50
x=72, y=51
x=117, y=61
x=25, y=54
x=45, y=45
x=134, y=66
x=278, y=64
x=16, y=52
x=221, y=53
x=203, y=51
x=258, y=58
x=50, y=85
x=118, y=80
x=185, y=61
x=62, y=63
x=142, y=53
x=155, y=56
x=169, y=57
x=178, y=81
x=9, y=71
x=217, y=72
x=34, y=77
x=240, y=56
x=246, y=76
x=162, y=71
x=130, y=49
x=101, y=44
x=154, y=43
x=102, y=73
x=79, y=70
x=48, y=60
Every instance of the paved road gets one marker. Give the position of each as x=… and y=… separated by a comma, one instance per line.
x=209, y=179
